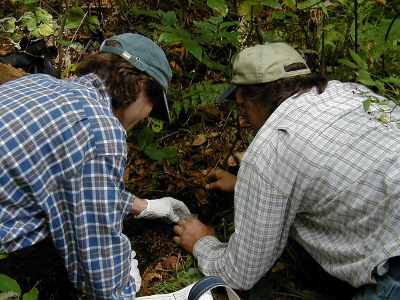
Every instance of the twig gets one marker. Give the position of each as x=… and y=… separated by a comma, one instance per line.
x=61, y=36
x=225, y=163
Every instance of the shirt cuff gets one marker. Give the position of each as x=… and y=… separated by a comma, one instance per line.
x=204, y=242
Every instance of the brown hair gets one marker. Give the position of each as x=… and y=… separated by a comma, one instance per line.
x=272, y=94
x=122, y=78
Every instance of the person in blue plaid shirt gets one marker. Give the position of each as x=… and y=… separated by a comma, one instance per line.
x=63, y=152
x=320, y=169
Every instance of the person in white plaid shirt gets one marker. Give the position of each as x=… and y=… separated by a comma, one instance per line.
x=63, y=152
x=319, y=169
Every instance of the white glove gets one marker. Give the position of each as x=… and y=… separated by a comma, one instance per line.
x=135, y=272
x=166, y=207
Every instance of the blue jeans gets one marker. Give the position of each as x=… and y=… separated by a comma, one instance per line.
x=387, y=287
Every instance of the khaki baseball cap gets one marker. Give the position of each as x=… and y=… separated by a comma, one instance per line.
x=262, y=64
x=148, y=57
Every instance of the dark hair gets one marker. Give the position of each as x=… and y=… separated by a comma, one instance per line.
x=122, y=78
x=272, y=94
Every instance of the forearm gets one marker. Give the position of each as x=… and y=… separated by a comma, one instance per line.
x=223, y=260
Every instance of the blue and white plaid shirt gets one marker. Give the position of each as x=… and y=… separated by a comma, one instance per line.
x=324, y=171
x=62, y=154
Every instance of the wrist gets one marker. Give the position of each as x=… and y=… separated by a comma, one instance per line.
x=138, y=206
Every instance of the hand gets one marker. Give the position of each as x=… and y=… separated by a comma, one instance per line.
x=166, y=207
x=135, y=272
x=189, y=231
x=221, y=180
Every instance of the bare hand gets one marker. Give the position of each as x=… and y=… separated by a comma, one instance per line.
x=221, y=180
x=189, y=231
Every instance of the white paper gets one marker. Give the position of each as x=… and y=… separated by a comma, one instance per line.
x=182, y=294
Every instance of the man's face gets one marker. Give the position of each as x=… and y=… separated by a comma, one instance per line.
x=255, y=113
x=136, y=111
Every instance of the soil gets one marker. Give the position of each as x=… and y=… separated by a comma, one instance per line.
x=159, y=258
x=8, y=73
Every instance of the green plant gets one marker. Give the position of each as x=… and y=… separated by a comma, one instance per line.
x=202, y=41
x=186, y=275
x=36, y=20
x=145, y=141
x=199, y=97
x=10, y=289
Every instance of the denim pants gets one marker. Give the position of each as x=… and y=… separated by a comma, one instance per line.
x=387, y=287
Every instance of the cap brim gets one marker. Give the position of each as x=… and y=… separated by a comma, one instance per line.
x=227, y=94
x=160, y=111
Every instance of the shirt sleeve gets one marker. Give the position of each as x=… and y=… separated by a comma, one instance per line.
x=86, y=226
x=263, y=215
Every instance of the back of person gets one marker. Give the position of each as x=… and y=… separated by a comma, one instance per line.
x=344, y=179
x=46, y=135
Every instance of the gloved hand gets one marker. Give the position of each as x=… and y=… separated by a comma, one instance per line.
x=135, y=272
x=166, y=207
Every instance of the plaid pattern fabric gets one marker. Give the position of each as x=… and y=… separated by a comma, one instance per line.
x=62, y=156
x=327, y=173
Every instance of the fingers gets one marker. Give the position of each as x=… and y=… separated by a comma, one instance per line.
x=212, y=186
x=179, y=206
x=173, y=217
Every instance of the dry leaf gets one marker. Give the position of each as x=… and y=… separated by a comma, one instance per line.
x=200, y=140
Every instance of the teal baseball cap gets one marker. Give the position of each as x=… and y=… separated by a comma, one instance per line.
x=263, y=63
x=148, y=57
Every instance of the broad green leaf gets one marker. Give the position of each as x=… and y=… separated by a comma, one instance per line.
x=290, y=3
x=64, y=43
x=45, y=30
x=348, y=63
x=9, y=25
x=29, y=21
x=170, y=151
x=75, y=17
x=93, y=22
x=156, y=125
x=216, y=20
x=35, y=32
x=219, y=6
x=169, y=37
x=152, y=13
x=269, y=36
x=227, y=24
x=180, y=33
x=365, y=78
x=145, y=137
x=393, y=80
x=204, y=38
x=3, y=255
x=275, y=4
x=366, y=105
x=193, y=47
x=42, y=15
x=278, y=15
x=359, y=61
x=8, y=284
x=155, y=154
x=169, y=18
x=30, y=1
x=204, y=25
x=244, y=10
x=31, y=295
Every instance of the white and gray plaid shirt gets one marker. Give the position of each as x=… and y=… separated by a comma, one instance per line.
x=324, y=171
